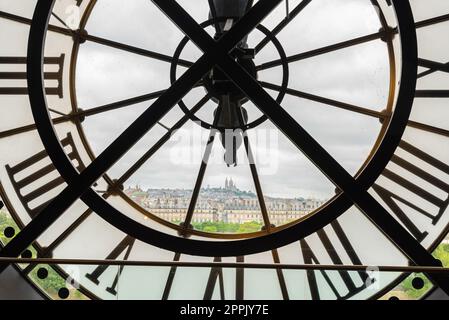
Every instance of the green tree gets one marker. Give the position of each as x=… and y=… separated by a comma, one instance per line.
x=210, y=229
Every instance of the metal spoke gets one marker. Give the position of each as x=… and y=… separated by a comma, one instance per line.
x=201, y=172
x=57, y=112
x=47, y=251
x=29, y=127
x=23, y=20
x=62, y=22
x=322, y=50
x=135, y=50
x=257, y=185
x=213, y=12
x=255, y=175
x=102, y=41
x=262, y=204
x=116, y=105
x=372, y=113
x=139, y=163
x=348, y=43
x=9, y=16
x=330, y=102
x=80, y=114
x=301, y=6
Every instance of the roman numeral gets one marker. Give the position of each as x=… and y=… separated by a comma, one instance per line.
x=416, y=191
x=22, y=75
x=126, y=246
x=25, y=174
x=311, y=257
x=432, y=66
x=215, y=275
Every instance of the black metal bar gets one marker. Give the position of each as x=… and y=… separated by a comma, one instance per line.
x=62, y=21
x=171, y=276
x=79, y=183
x=197, y=34
x=430, y=71
x=80, y=114
x=213, y=12
x=240, y=280
x=140, y=162
x=102, y=41
x=30, y=127
x=444, y=67
x=201, y=172
x=322, y=50
x=135, y=50
x=432, y=21
x=47, y=251
x=254, y=174
x=349, y=43
x=300, y=7
x=428, y=128
x=214, y=275
x=20, y=19
x=116, y=105
x=280, y=275
x=244, y=265
x=432, y=94
x=330, y=102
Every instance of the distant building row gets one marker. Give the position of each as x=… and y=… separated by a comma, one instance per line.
x=229, y=205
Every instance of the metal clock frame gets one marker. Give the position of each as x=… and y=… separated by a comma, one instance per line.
x=354, y=190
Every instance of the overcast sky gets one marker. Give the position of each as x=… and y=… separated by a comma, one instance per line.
x=357, y=75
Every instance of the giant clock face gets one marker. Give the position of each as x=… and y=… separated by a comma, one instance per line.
x=121, y=122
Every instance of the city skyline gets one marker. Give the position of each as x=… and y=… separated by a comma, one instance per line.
x=144, y=188
x=224, y=204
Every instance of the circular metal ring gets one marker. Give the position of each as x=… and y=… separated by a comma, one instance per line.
x=261, y=119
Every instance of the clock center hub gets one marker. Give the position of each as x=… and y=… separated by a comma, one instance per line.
x=217, y=84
